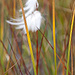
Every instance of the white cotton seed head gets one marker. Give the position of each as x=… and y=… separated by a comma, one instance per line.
x=33, y=22
x=33, y=17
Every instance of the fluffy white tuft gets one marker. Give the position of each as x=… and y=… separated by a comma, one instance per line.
x=33, y=22
x=33, y=17
x=31, y=5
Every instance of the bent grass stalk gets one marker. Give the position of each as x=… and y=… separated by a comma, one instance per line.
x=28, y=37
x=54, y=41
x=70, y=42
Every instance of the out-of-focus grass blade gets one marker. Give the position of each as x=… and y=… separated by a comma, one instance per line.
x=14, y=8
x=7, y=67
x=70, y=42
x=54, y=41
x=2, y=29
x=11, y=61
x=53, y=50
x=28, y=37
x=2, y=18
x=37, y=57
x=15, y=58
x=2, y=23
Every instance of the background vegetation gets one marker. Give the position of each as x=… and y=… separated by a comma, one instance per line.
x=15, y=56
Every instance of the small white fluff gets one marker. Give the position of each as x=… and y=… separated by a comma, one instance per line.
x=33, y=22
x=31, y=5
x=7, y=57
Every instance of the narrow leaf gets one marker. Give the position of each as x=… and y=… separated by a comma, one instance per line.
x=54, y=41
x=70, y=42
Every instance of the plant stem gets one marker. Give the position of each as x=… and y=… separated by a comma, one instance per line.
x=70, y=43
x=37, y=52
x=28, y=37
x=54, y=41
x=71, y=58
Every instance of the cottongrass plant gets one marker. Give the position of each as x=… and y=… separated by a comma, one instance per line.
x=33, y=17
x=31, y=23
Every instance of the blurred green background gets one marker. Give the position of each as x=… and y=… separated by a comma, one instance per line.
x=63, y=12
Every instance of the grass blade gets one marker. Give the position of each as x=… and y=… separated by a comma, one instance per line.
x=14, y=8
x=70, y=43
x=37, y=57
x=45, y=62
x=11, y=61
x=41, y=43
x=2, y=21
x=71, y=58
x=2, y=34
x=26, y=70
x=28, y=37
x=53, y=50
x=54, y=41
x=15, y=58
